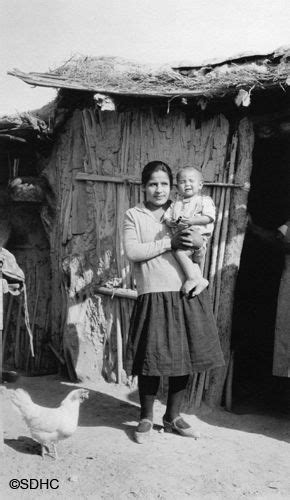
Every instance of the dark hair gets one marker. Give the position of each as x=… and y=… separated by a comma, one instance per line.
x=156, y=166
x=189, y=167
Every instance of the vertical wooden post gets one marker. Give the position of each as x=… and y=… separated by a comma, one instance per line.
x=199, y=390
x=229, y=384
x=17, y=334
x=7, y=319
x=119, y=344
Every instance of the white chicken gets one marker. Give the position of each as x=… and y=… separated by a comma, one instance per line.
x=49, y=425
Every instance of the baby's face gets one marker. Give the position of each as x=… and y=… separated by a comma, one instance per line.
x=189, y=182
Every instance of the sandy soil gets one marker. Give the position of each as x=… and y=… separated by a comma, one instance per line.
x=237, y=457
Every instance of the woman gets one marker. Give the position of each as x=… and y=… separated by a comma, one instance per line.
x=280, y=240
x=170, y=334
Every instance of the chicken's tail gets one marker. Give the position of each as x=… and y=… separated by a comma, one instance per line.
x=21, y=400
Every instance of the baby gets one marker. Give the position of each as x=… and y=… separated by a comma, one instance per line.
x=196, y=211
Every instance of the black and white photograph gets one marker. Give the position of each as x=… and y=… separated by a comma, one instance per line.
x=145, y=249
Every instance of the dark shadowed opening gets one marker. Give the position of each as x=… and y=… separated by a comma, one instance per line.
x=259, y=278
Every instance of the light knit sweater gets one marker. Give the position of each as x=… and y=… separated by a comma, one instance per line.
x=147, y=243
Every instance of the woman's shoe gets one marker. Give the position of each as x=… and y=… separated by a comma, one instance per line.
x=142, y=433
x=179, y=426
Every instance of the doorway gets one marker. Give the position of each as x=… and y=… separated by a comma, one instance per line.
x=259, y=278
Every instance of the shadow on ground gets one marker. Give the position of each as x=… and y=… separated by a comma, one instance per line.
x=249, y=417
x=101, y=409
x=24, y=445
x=121, y=410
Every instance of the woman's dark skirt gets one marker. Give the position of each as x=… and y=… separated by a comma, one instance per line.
x=172, y=335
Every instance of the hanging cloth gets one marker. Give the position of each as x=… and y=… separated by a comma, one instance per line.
x=13, y=280
x=281, y=358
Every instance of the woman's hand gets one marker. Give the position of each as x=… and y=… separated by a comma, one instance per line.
x=267, y=235
x=186, y=239
x=275, y=238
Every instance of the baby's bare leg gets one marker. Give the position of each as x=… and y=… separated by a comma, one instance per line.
x=198, y=255
x=195, y=282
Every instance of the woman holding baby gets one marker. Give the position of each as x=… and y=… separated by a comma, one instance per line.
x=172, y=331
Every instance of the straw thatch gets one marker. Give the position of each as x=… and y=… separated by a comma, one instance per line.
x=21, y=120
x=113, y=75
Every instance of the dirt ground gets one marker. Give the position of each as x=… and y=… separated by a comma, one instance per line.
x=237, y=456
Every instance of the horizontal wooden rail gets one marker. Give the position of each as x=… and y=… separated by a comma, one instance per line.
x=83, y=176
x=124, y=293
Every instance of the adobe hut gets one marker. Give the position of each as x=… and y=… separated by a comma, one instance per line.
x=22, y=144
x=109, y=119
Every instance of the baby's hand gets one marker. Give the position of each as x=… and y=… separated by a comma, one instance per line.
x=184, y=221
x=172, y=223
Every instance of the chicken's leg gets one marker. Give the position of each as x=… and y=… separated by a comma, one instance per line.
x=44, y=449
x=55, y=451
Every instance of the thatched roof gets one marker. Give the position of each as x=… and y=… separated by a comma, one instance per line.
x=213, y=79
x=22, y=126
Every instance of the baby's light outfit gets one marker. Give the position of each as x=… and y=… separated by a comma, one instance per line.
x=189, y=207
